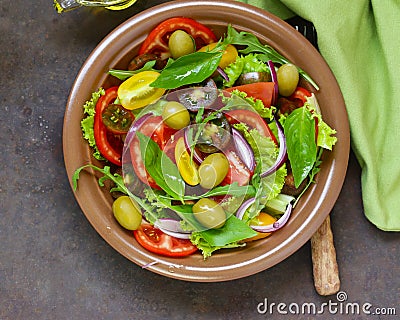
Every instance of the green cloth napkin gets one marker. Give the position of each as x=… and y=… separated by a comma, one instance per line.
x=359, y=40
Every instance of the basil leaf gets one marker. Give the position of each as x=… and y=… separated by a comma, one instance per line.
x=301, y=146
x=161, y=168
x=188, y=69
x=233, y=230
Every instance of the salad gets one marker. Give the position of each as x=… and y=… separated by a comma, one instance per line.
x=208, y=143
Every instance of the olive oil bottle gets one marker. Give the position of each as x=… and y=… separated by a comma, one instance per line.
x=67, y=5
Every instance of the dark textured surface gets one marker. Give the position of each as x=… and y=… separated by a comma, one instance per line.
x=53, y=265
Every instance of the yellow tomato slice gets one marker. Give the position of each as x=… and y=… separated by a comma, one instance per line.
x=135, y=92
x=186, y=166
x=229, y=55
x=263, y=219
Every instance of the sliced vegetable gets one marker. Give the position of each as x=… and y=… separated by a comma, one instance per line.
x=282, y=155
x=252, y=77
x=151, y=126
x=214, y=135
x=136, y=92
x=238, y=171
x=172, y=227
x=263, y=91
x=157, y=40
x=277, y=224
x=199, y=97
x=244, y=151
x=301, y=94
x=109, y=146
x=229, y=54
x=187, y=168
x=117, y=119
x=263, y=219
x=252, y=120
x=161, y=168
x=275, y=80
x=156, y=241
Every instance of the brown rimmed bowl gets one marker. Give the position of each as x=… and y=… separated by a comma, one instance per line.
x=117, y=49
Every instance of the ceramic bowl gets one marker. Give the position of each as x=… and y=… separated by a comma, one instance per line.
x=117, y=49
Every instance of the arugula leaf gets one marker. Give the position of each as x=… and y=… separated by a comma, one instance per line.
x=161, y=168
x=231, y=189
x=188, y=69
x=125, y=74
x=118, y=180
x=89, y=109
x=254, y=45
x=300, y=140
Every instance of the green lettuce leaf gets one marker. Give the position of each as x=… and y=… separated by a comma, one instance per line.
x=325, y=138
x=243, y=64
x=89, y=109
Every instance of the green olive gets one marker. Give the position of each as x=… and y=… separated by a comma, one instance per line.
x=175, y=115
x=209, y=213
x=180, y=43
x=213, y=170
x=288, y=78
x=127, y=212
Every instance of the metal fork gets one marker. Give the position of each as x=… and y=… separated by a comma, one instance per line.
x=323, y=252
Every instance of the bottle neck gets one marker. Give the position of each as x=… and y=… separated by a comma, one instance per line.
x=65, y=5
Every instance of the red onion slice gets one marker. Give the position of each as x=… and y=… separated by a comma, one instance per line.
x=269, y=228
x=172, y=228
x=241, y=211
x=277, y=224
x=244, y=151
x=223, y=74
x=274, y=78
x=282, y=155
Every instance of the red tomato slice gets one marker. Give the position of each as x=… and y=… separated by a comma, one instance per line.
x=238, y=172
x=300, y=94
x=155, y=128
x=263, y=91
x=154, y=240
x=252, y=119
x=109, y=146
x=157, y=40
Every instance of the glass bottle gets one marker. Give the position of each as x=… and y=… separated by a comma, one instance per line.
x=67, y=5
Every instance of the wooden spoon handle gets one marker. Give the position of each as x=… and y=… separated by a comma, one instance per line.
x=323, y=254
